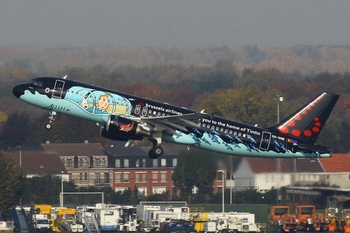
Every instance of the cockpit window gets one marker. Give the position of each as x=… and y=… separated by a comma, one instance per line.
x=37, y=83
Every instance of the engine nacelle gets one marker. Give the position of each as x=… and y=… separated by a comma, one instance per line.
x=121, y=129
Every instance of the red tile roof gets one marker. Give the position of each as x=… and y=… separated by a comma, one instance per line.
x=262, y=165
x=337, y=163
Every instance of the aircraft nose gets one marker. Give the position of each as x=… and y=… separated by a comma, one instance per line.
x=18, y=90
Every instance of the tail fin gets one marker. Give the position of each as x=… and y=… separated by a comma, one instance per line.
x=306, y=124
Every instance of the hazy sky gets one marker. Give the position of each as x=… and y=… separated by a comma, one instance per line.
x=177, y=23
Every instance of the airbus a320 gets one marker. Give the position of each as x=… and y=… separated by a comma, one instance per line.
x=126, y=117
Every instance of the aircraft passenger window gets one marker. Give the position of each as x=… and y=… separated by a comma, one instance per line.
x=235, y=133
x=226, y=130
x=230, y=132
x=221, y=129
x=158, y=114
x=150, y=112
x=203, y=124
x=213, y=127
x=239, y=134
x=208, y=126
x=217, y=128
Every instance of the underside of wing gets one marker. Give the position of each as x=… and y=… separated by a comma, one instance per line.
x=169, y=123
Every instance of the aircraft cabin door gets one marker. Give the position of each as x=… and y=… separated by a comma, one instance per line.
x=265, y=140
x=58, y=89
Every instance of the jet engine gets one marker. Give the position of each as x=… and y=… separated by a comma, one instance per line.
x=121, y=129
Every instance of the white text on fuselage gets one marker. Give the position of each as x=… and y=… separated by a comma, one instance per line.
x=232, y=127
x=162, y=109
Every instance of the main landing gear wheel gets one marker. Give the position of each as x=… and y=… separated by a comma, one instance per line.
x=155, y=152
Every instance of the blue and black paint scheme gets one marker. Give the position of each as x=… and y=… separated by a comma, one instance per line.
x=127, y=117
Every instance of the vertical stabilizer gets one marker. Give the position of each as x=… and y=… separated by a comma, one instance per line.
x=306, y=123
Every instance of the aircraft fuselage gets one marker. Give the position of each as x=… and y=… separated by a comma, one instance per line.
x=105, y=106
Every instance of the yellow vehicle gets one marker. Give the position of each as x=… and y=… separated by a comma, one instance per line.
x=42, y=209
x=332, y=218
x=345, y=221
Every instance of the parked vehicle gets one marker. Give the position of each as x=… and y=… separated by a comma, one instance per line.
x=309, y=220
x=280, y=220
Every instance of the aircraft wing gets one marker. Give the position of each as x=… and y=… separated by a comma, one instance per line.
x=168, y=123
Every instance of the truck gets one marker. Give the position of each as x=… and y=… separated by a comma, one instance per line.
x=231, y=223
x=66, y=220
x=40, y=223
x=309, y=220
x=40, y=218
x=226, y=224
x=108, y=218
x=281, y=220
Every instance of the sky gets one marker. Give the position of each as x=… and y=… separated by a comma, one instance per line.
x=174, y=24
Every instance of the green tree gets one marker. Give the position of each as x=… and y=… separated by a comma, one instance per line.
x=9, y=184
x=250, y=105
x=12, y=132
x=195, y=168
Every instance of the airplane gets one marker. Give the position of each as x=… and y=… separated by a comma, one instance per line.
x=125, y=117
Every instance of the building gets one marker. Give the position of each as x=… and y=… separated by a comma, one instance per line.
x=36, y=162
x=133, y=168
x=337, y=170
x=90, y=164
x=86, y=163
x=262, y=174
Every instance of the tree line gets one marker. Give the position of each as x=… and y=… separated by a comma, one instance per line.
x=303, y=58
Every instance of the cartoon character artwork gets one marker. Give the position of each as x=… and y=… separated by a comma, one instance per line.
x=99, y=102
x=101, y=106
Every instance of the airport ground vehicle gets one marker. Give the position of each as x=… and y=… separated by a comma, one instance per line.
x=345, y=221
x=309, y=220
x=331, y=217
x=281, y=220
x=40, y=216
x=66, y=220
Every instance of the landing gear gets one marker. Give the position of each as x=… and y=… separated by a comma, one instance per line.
x=156, y=150
x=48, y=126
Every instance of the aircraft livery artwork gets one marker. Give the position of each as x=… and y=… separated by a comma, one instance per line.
x=127, y=117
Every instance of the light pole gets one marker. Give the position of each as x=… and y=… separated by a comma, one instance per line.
x=223, y=191
x=278, y=99
x=61, y=196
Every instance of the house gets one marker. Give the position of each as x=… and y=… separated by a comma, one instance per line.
x=85, y=162
x=337, y=170
x=37, y=162
x=265, y=174
x=90, y=164
x=260, y=173
x=300, y=176
x=133, y=168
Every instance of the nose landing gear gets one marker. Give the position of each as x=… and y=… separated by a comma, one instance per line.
x=48, y=126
